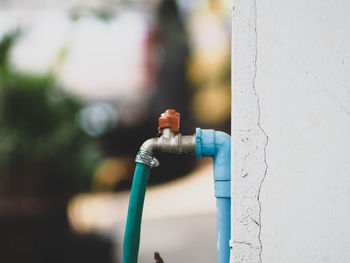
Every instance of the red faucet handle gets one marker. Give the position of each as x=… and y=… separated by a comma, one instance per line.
x=169, y=119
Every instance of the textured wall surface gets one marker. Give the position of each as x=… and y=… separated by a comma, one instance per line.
x=291, y=131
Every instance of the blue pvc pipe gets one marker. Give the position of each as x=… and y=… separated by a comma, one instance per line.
x=216, y=144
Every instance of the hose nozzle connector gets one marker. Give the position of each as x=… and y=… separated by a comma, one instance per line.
x=146, y=158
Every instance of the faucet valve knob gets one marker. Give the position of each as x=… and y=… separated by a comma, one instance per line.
x=169, y=119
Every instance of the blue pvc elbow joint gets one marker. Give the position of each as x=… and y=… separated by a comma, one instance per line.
x=217, y=144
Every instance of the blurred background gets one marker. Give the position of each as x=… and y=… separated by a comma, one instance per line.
x=82, y=84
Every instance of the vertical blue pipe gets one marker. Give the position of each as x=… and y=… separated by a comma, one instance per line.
x=216, y=144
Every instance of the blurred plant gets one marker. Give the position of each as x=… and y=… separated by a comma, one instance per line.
x=42, y=149
x=157, y=258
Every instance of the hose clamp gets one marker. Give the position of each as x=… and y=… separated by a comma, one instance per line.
x=146, y=158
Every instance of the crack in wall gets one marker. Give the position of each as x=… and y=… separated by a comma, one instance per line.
x=260, y=127
x=255, y=221
x=251, y=140
x=250, y=245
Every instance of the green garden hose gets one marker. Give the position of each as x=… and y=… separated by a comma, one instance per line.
x=144, y=162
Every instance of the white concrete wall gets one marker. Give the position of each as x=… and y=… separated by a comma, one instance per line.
x=291, y=131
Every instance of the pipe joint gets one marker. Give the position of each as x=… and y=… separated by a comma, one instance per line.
x=215, y=144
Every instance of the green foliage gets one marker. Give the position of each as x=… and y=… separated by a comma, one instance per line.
x=40, y=134
x=5, y=46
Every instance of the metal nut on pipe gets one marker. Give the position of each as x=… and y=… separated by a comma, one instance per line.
x=188, y=143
